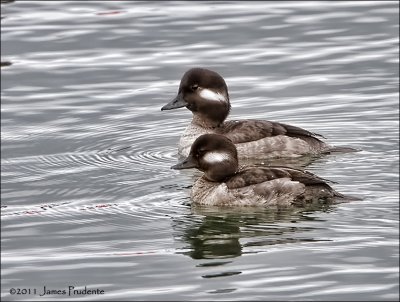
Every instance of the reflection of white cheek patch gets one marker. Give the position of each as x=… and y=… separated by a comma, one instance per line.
x=211, y=95
x=215, y=157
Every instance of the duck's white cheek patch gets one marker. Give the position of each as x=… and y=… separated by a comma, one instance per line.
x=215, y=157
x=211, y=95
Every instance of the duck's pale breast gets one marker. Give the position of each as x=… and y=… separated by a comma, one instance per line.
x=190, y=134
x=209, y=193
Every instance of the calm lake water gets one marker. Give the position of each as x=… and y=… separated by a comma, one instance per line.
x=87, y=194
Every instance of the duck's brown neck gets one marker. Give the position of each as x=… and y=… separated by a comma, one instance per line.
x=222, y=171
x=210, y=114
x=204, y=122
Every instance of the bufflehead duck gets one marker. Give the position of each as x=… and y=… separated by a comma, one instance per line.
x=225, y=184
x=205, y=93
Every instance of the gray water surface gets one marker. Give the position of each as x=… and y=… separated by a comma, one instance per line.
x=87, y=194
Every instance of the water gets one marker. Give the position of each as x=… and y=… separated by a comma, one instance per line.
x=88, y=198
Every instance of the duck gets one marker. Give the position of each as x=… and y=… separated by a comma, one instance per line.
x=205, y=93
x=225, y=183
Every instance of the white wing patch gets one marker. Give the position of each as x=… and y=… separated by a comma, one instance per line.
x=216, y=157
x=212, y=95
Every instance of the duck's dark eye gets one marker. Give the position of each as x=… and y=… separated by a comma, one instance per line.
x=201, y=152
x=194, y=87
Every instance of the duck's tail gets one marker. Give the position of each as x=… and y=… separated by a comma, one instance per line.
x=339, y=149
x=341, y=198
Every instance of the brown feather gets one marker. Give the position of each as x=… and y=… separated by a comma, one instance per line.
x=251, y=130
x=255, y=175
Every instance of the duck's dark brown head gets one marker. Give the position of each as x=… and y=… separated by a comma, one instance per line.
x=204, y=92
x=213, y=154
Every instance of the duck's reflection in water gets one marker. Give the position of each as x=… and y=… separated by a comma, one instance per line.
x=221, y=233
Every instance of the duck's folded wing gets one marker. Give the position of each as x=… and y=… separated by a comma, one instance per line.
x=303, y=176
x=251, y=130
x=256, y=175
x=281, y=191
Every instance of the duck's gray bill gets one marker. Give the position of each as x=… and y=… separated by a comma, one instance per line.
x=187, y=163
x=177, y=102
